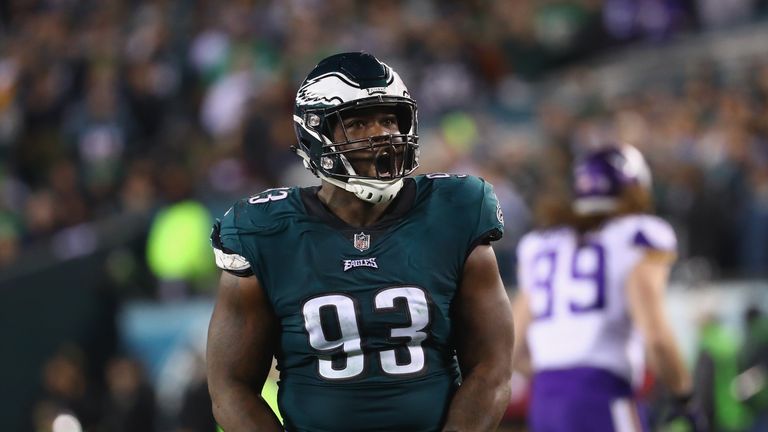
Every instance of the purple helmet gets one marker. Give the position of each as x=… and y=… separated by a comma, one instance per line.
x=600, y=176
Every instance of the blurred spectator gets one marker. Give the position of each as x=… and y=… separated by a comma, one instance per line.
x=178, y=249
x=129, y=404
x=716, y=368
x=268, y=134
x=754, y=231
x=40, y=215
x=649, y=19
x=97, y=131
x=196, y=413
x=65, y=389
x=138, y=194
x=752, y=384
x=9, y=241
x=719, y=13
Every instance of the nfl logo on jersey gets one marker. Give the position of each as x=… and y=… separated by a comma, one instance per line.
x=362, y=241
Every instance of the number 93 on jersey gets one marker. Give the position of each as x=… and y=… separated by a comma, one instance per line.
x=332, y=322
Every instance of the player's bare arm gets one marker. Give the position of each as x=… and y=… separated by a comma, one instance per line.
x=241, y=340
x=645, y=292
x=484, y=338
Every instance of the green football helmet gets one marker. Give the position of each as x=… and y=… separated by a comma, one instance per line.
x=338, y=86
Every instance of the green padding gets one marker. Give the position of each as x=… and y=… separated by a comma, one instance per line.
x=178, y=245
x=269, y=393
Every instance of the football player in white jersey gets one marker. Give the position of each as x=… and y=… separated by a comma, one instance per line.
x=591, y=302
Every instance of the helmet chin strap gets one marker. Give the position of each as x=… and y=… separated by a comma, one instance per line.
x=369, y=190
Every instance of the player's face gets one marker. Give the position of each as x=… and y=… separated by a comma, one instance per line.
x=369, y=133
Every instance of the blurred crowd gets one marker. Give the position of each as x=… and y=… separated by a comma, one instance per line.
x=113, y=107
x=705, y=134
x=120, y=398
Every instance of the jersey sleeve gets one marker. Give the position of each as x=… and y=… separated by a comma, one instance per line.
x=228, y=249
x=490, y=224
x=465, y=204
x=654, y=233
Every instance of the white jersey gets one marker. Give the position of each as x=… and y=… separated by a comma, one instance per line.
x=577, y=293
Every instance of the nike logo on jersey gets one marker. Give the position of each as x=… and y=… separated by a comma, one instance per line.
x=366, y=262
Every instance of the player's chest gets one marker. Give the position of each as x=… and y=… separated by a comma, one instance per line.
x=318, y=261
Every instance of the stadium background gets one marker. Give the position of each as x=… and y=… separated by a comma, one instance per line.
x=126, y=126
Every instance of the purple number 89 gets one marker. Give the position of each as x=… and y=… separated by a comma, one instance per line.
x=595, y=275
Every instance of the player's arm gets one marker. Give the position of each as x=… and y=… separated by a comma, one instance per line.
x=241, y=341
x=646, y=287
x=484, y=339
x=521, y=311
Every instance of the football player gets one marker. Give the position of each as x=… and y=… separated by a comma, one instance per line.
x=378, y=293
x=591, y=301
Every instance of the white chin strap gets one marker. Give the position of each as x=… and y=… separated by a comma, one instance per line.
x=369, y=190
x=372, y=191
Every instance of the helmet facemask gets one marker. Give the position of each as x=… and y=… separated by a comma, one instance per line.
x=385, y=157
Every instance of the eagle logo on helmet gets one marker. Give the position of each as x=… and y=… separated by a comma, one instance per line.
x=329, y=89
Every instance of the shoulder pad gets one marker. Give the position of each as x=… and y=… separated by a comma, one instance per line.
x=266, y=212
x=460, y=187
x=469, y=196
x=648, y=232
x=227, y=252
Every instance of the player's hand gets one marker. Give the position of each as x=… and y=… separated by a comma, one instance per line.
x=683, y=416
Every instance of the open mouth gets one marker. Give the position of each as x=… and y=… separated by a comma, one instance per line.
x=386, y=164
x=383, y=162
x=386, y=158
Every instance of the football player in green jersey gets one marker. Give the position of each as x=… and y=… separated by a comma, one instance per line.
x=377, y=293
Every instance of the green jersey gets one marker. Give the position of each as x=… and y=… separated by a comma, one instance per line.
x=365, y=313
